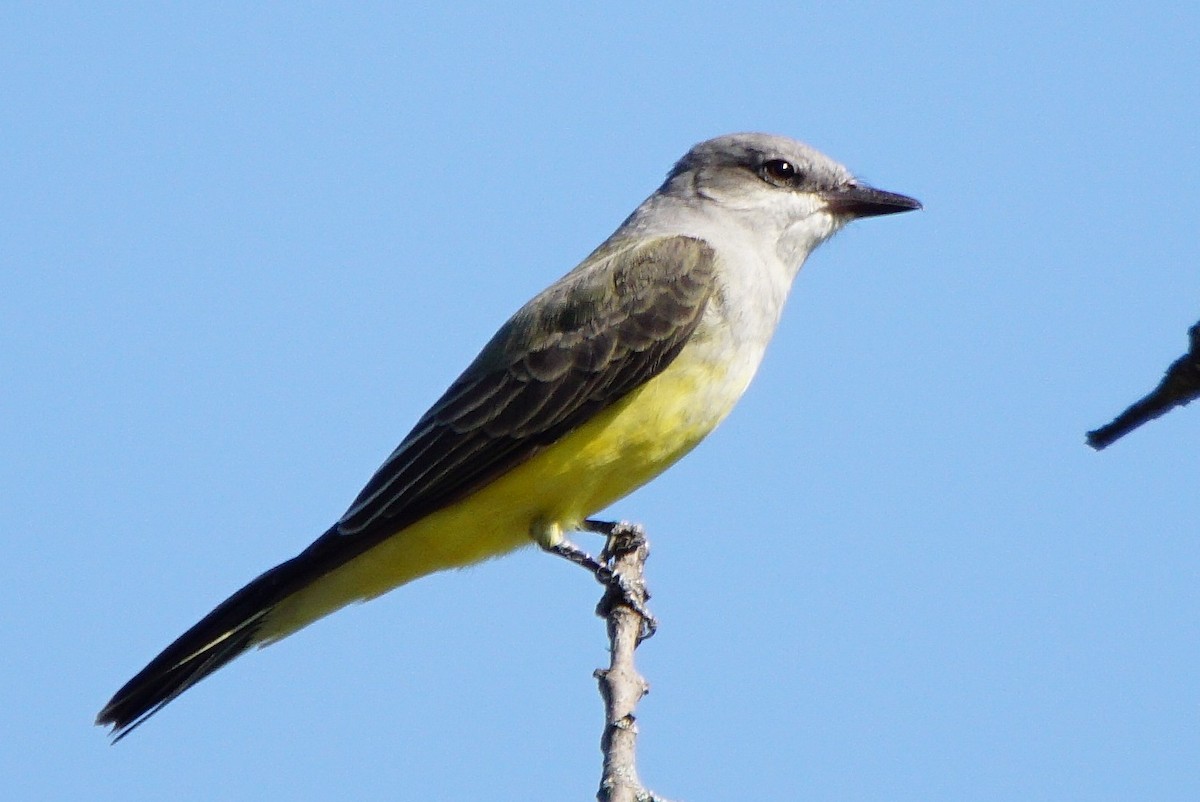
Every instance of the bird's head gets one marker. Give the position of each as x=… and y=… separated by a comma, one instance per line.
x=778, y=187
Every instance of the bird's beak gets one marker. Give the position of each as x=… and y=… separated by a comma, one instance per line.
x=860, y=200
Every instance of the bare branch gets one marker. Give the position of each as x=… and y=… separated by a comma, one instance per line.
x=621, y=569
x=1179, y=386
x=621, y=686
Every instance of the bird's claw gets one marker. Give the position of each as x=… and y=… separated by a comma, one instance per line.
x=620, y=539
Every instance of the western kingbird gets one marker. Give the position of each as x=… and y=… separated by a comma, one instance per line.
x=590, y=390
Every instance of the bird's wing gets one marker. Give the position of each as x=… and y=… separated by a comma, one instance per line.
x=601, y=331
x=604, y=329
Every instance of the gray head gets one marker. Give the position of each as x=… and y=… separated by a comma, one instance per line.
x=754, y=166
x=773, y=182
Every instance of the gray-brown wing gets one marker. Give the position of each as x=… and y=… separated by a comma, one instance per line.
x=610, y=325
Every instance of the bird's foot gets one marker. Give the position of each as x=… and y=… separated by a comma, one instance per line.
x=621, y=539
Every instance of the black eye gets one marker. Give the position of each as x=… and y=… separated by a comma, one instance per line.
x=780, y=171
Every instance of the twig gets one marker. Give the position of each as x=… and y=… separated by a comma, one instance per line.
x=621, y=569
x=1180, y=385
x=621, y=686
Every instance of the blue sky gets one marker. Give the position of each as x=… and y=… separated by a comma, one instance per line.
x=244, y=248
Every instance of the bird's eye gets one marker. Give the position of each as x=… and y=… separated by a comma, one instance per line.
x=780, y=171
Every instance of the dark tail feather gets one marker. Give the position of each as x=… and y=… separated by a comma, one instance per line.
x=219, y=637
x=230, y=629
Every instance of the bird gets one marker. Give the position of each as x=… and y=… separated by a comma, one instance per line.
x=590, y=390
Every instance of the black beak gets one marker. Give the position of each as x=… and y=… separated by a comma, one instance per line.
x=859, y=200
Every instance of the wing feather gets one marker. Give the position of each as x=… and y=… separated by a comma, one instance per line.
x=600, y=332
x=609, y=326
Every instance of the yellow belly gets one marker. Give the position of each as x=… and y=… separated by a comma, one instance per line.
x=616, y=452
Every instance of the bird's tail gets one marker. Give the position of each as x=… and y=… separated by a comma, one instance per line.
x=226, y=632
x=240, y=622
